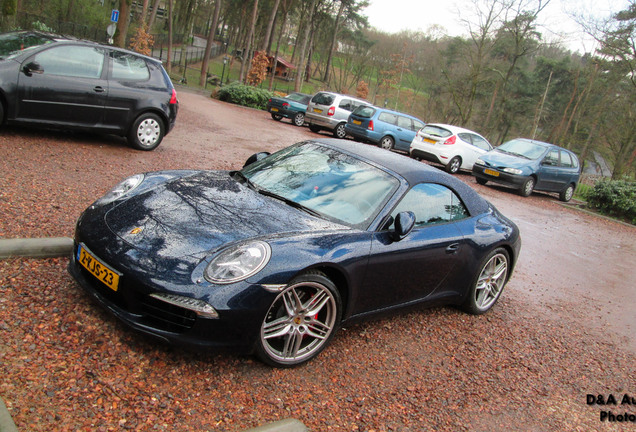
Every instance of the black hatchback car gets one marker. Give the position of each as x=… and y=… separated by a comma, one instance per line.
x=54, y=81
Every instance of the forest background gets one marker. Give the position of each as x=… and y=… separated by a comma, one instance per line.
x=502, y=79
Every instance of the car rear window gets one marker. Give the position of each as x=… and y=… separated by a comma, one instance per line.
x=436, y=131
x=323, y=99
x=364, y=111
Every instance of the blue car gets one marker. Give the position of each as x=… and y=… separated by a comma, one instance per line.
x=274, y=258
x=293, y=106
x=388, y=129
x=529, y=165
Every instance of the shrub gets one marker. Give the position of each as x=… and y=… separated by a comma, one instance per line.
x=614, y=197
x=245, y=95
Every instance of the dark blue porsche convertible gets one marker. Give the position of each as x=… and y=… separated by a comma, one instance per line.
x=275, y=257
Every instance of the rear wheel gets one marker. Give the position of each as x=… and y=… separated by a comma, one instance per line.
x=527, y=187
x=339, y=131
x=454, y=165
x=488, y=283
x=387, y=143
x=146, y=132
x=481, y=181
x=300, y=322
x=277, y=117
x=299, y=119
x=567, y=194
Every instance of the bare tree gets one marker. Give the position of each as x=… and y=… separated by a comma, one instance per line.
x=210, y=42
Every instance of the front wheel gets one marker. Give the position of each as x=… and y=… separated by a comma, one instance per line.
x=300, y=322
x=277, y=117
x=299, y=119
x=527, y=187
x=339, y=131
x=314, y=128
x=567, y=194
x=488, y=283
x=146, y=132
x=481, y=181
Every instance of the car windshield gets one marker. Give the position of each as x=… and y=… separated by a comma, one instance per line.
x=298, y=97
x=523, y=148
x=436, y=131
x=325, y=181
x=12, y=44
x=364, y=111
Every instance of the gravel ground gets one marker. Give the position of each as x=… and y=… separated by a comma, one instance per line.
x=562, y=329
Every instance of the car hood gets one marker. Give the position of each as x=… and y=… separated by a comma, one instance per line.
x=203, y=212
x=500, y=159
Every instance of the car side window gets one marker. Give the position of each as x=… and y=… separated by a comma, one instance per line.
x=71, y=61
x=417, y=125
x=481, y=143
x=404, y=122
x=566, y=159
x=128, y=67
x=388, y=118
x=466, y=137
x=345, y=104
x=432, y=204
x=552, y=158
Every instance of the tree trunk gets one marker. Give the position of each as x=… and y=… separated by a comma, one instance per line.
x=144, y=12
x=250, y=36
x=270, y=26
x=122, y=23
x=333, y=41
x=169, y=59
x=301, y=60
x=210, y=42
x=153, y=14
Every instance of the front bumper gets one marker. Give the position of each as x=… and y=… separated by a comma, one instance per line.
x=494, y=175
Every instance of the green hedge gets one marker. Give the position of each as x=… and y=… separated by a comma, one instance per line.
x=245, y=95
x=614, y=197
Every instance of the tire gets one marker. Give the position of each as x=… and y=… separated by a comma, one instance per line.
x=300, y=322
x=488, y=283
x=527, y=187
x=339, y=131
x=314, y=128
x=299, y=119
x=277, y=117
x=1, y=113
x=481, y=181
x=146, y=132
x=566, y=194
x=387, y=143
x=454, y=165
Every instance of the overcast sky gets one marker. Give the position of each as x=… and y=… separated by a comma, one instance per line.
x=556, y=23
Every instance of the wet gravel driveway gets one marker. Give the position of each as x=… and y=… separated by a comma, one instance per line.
x=563, y=329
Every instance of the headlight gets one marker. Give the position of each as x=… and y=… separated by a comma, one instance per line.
x=513, y=171
x=238, y=262
x=479, y=162
x=121, y=189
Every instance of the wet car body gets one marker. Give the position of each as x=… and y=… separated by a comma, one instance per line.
x=162, y=237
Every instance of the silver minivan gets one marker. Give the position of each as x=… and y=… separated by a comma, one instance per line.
x=330, y=111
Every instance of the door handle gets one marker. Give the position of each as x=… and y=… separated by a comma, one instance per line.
x=452, y=248
x=99, y=89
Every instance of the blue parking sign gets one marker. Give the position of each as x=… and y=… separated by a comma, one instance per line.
x=114, y=15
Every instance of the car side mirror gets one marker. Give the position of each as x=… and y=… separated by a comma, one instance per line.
x=255, y=158
x=404, y=224
x=31, y=68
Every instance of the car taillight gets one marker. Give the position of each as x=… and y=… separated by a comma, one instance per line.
x=285, y=104
x=331, y=111
x=370, y=127
x=451, y=140
x=173, y=98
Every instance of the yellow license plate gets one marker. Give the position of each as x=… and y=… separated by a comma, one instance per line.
x=97, y=268
x=274, y=109
x=317, y=110
x=491, y=172
x=358, y=122
x=428, y=140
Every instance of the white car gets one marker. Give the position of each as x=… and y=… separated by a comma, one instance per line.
x=454, y=147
